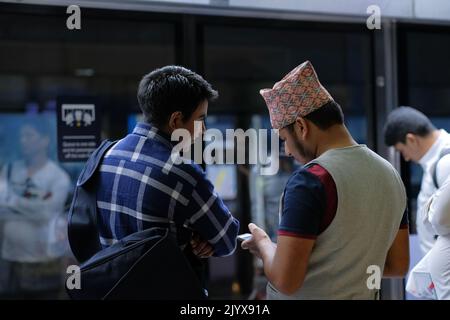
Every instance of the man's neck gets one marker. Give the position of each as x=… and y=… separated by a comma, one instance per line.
x=429, y=141
x=164, y=130
x=36, y=162
x=334, y=137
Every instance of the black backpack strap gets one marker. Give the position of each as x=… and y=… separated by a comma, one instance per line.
x=444, y=152
x=94, y=161
x=82, y=222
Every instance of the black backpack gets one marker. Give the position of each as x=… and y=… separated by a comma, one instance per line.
x=144, y=265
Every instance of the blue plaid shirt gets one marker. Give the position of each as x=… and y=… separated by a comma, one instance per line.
x=139, y=187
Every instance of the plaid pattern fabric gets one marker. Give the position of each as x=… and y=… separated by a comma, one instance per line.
x=139, y=187
x=297, y=94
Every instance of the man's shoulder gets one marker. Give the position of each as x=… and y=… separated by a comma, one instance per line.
x=379, y=165
x=192, y=169
x=443, y=154
x=309, y=176
x=156, y=155
x=442, y=169
x=318, y=171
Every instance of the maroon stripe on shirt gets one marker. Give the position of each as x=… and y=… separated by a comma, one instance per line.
x=330, y=192
x=295, y=234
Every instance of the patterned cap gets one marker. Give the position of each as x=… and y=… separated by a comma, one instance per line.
x=296, y=95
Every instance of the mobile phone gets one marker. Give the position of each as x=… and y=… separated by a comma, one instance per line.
x=244, y=236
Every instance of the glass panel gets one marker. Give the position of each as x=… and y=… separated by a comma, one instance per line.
x=41, y=60
x=424, y=85
x=240, y=61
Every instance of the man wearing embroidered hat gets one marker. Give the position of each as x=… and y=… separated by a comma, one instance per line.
x=342, y=214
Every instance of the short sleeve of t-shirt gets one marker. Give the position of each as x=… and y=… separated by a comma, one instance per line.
x=309, y=203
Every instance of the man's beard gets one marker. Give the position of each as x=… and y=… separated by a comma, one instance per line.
x=303, y=151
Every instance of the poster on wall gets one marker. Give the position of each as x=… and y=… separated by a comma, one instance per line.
x=78, y=123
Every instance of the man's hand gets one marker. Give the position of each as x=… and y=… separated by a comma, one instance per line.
x=285, y=262
x=201, y=248
x=258, y=242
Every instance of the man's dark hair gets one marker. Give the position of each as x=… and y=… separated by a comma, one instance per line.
x=404, y=120
x=171, y=89
x=327, y=115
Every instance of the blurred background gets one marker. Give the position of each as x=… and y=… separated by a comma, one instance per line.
x=240, y=46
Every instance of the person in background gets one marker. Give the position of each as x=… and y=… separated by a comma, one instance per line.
x=36, y=189
x=411, y=133
x=436, y=263
x=334, y=224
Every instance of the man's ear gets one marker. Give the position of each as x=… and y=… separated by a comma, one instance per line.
x=301, y=127
x=411, y=139
x=175, y=120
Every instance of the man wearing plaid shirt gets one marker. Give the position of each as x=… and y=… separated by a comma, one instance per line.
x=139, y=187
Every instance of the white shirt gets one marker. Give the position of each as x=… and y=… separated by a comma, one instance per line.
x=438, y=210
x=427, y=189
x=439, y=218
x=29, y=227
x=437, y=261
